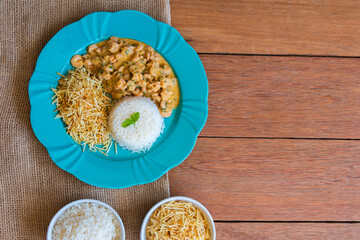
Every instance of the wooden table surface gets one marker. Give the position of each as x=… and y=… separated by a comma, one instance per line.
x=279, y=156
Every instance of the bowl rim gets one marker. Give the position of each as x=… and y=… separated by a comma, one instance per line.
x=67, y=206
x=197, y=204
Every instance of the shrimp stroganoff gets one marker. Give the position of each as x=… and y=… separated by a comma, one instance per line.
x=131, y=68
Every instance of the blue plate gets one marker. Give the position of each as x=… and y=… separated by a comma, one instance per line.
x=123, y=169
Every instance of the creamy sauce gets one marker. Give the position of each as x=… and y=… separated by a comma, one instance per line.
x=128, y=67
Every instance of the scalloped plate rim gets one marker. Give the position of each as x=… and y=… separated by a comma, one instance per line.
x=190, y=145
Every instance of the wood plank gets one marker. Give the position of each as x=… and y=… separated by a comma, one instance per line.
x=273, y=179
x=262, y=96
x=270, y=27
x=286, y=231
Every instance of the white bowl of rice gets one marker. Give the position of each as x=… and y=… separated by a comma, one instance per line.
x=86, y=219
x=177, y=218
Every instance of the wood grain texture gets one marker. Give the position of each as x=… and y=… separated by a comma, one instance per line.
x=273, y=179
x=299, y=27
x=286, y=231
x=301, y=97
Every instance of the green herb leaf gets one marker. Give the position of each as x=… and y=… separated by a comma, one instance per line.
x=131, y=120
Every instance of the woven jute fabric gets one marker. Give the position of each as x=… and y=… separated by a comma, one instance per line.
x=32, y=187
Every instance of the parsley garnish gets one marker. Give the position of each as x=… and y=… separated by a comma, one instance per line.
x=131, y=120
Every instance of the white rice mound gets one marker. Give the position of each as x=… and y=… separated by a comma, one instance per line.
x=140, y=136
x=86, y=221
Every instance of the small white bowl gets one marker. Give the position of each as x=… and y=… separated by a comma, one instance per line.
x=179, y=198
x=62, y=210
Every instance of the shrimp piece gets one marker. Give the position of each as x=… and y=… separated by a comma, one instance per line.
x=114, y=39
x=77, y=61
x=148, y=77
x=121, y=69
x=164, y=84
x=118, y=95
x=131, y=86
x=135, y=58
x=109, y=68
x=139, y=47
x=112, y=59
x=167, y=70
x=163, y=104
x=155, y=86
x=119, y=55
x=98, y=50
x=147, y=56
x=137, y=92
x=165, y=95
x=114, y=47
x=92, y=48
x=126, y=75
x=156, y=97
x=166, y=113
x=148, y=48
x=120, y=85
x=142, y=84
x=87, y=63
x=136, y=77
x=106, y=58
x=106, y=76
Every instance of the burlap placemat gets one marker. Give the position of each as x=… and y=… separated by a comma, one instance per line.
x=33, y=188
